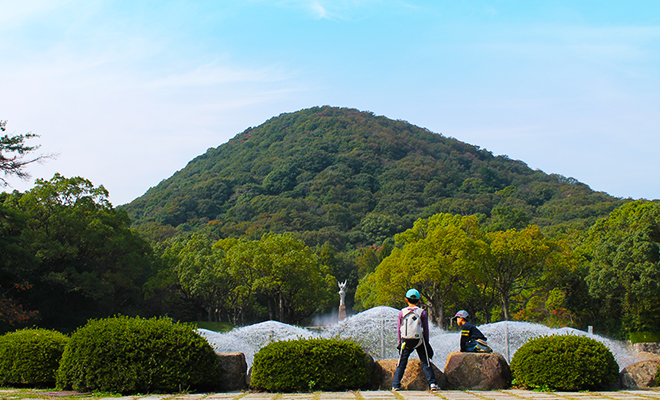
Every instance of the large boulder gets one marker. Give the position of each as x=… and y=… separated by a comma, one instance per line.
x=234, y=371
x=640, y=375
x=413, y=379
x=478, y=371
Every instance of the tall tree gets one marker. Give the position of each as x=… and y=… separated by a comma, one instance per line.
x=201, y=271
x=293, y=279
x=624, y=268
x=278, y=276
x=89, y=262
x=433, y=256
x=517, y=261
x=14, y=261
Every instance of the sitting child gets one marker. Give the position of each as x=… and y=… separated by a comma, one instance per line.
x=472, y=340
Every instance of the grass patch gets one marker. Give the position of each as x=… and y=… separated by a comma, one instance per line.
x=31, y=394
x=221, y=327
x=644, y=337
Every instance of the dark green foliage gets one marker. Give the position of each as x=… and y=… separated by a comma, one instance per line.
x=30, y=357
x=624, y=264
x=564, y=362
x=73, y=253
x=310, y=364
x=135, y=355
x=366, y=177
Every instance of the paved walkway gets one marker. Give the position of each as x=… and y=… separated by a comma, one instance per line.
x=362, y=395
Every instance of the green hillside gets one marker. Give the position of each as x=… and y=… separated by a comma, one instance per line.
x=352, y=178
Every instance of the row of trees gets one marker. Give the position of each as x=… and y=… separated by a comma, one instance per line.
x=68, y=255
x=455, y=263
x=608, y=276
x=276, y=277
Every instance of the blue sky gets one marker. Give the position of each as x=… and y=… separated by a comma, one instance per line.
x=127, y=92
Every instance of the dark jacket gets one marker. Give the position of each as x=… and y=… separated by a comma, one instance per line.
x=470, y=332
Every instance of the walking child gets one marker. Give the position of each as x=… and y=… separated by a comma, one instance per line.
x=413, y=333
x=472, y=340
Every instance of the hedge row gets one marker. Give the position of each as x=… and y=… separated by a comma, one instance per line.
x=118, y=354
x=135, y=355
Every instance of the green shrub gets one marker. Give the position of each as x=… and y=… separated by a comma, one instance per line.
x=30, y=357
x=657, y=377
x=310, y=364
x=136, y=355
x=564, y=362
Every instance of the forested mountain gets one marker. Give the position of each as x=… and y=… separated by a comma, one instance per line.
x=264, y=226
x=352, y=178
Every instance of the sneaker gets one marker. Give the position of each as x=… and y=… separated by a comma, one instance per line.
x=434, y=387
x=395, y=389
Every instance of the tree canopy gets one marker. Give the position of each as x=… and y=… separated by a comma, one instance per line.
x=435, y=256
x=276, y=277
x=84, y=259
x=624, y=267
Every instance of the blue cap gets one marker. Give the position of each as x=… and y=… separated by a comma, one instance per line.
x=412, y=294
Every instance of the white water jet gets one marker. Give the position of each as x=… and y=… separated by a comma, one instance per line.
x=249, y=339
x=375, y=331
x=518, y=334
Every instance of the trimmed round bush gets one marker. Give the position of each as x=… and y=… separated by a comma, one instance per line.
x=30, y=357
x=310, y=364
x=564, y=362
x=136, y=355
